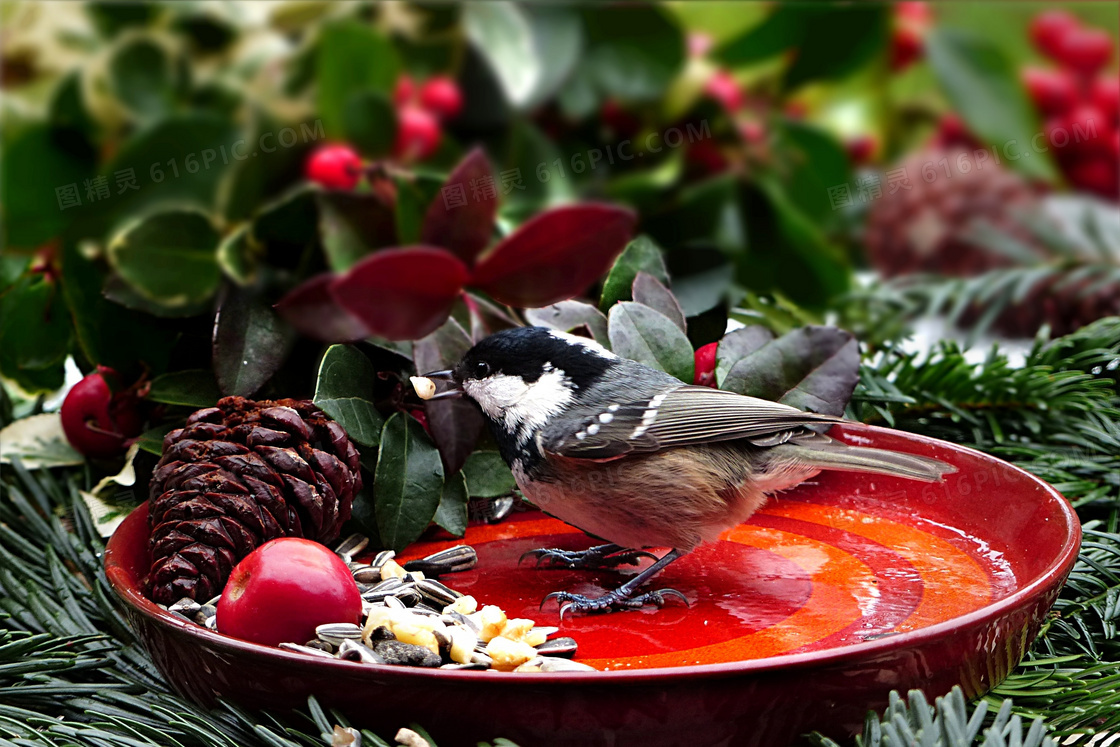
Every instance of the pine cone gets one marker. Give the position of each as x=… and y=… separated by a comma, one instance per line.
x=238, y=475
x=925, y=228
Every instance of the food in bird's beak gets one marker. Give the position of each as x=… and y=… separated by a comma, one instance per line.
x=425, y=387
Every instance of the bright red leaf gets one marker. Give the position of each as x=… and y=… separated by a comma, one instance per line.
x=461, y=217
x=402, y=294
x=312, y=310
x=555, y=255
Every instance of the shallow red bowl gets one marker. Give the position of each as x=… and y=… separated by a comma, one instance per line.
x=802, y=619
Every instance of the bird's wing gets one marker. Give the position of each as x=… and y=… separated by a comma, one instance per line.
x=674, y=417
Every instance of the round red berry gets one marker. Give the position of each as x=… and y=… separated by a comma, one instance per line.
x=1085, y=50
x=1095, y=175
x=724, y=89
x=417, y=133
x=1105, y=95
x=862, y=148
x=906, y=47
x=441, y=96
x=1048, y=30
x=403, y=91
x=335, y=167
x=97, y=422
x=1053, y=91
x=705, y=371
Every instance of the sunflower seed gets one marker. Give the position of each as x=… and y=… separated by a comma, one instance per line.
x=466, y=667
x=436, y=593
x=211, y=623
x=320, y=645
x=351, y=651
x=336, y=633
x=213, y=601
x=306, y=650
x=457, y=618
x=393, y=603
x=480, y=658
x=451, y=560
x=382, y=589
x=556, y=664
x=382, y=558
x=351, y=546
x=185, y=606
x=565, y=647
x=366, y=574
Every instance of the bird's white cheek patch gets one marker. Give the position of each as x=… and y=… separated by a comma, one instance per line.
x=523, y=408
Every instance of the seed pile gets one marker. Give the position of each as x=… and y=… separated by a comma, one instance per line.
x=412, y=619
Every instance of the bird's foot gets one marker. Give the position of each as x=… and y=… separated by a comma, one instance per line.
x=593, y=558
x=612, y=601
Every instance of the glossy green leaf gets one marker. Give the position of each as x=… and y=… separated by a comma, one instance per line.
x=170, y=257
x=343, y=391
x=42, y=173
x=142, y=77
x=779, y=31
x=34, y=334
x=452, y=514
x=502, y=34
x=370, y=122
x=649, y=291
x=567, y=316
x=414, y=195
x=488, y=475
x=353, y=57
x=634, y=51
x=983, y=86
x=642, y=334
x=408, y=482
x=558, y=40
x=251, y=342
x=811, y=368
x=837, y=40
x=192, y=388
x=151, y=440
x=640, y=255
x=813, y=162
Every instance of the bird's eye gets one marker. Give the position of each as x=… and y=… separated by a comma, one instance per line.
x=482, y=369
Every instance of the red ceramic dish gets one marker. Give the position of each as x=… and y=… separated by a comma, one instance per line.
x=802, y=619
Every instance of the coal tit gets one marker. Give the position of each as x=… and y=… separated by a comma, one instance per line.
x=630, y=454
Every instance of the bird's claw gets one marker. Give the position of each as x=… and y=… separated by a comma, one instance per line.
x=591, y=559
x=612, y=601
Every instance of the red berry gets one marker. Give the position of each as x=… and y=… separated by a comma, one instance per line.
x=1087, y=126
x=335, y=167
x=723, y=88
x=705, y=372
x=952, y=131
x=284, y=589
x=913, y=13
x=862, y=148
x=704, y=158
x=1105, y=94
x=1053, y=91
x=1049, y=29
x=441, y=96
x=403, y=91
x=1085, y=50
x=1095, y=175
x=97, y=422
x=417, y=134
x=906, y=47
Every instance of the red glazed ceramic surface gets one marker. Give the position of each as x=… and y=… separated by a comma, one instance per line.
x=801, y=619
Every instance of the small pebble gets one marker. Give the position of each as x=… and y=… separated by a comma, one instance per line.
x=406, y=654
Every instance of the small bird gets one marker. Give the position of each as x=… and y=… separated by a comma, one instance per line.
x=633, y=456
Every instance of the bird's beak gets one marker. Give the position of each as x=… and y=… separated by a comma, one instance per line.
x=446, y=375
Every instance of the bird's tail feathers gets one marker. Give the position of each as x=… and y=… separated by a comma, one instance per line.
x=844, y=458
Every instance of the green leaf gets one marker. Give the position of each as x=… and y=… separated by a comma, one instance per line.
x=642, y=334
x=779, y=31
x=291, y=218
x=352, y=225
x=413, y=197
x=837, y=40
x=983, y=87
x=345, y=384
x=488, y=475
x=503, y=36
x=370, y=122
x=634, y=51
x=452, y=512
x=12, y=268
x=640, y=255
x=237, y=257
x=737, y=345
x=42, y=170
x=34, y=334
x=569, y=315
x=352, y=58
x=251, y=342
x=813, y=161
x=170, y=257
x=811, y=368
x=142, y=76
x=558, y=42
x=649, y=291
x=191, y=388
x=408, y=482
x=151, y=440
